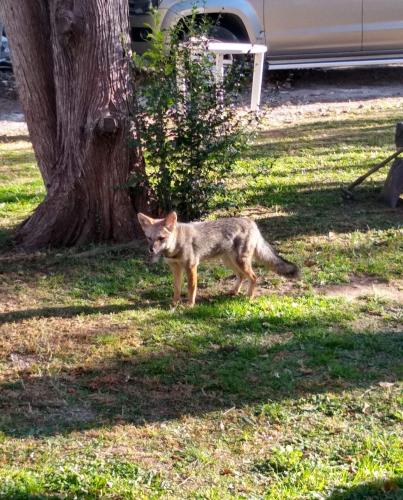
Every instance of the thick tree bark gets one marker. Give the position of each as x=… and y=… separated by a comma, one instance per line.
x=73, y=85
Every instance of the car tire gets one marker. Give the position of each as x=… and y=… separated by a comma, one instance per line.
x=221, y=34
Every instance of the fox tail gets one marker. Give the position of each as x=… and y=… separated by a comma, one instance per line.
x=266, y=254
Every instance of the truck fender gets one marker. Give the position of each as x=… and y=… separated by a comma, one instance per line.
x=172, y=12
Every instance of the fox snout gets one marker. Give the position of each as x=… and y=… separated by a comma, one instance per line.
x=154, y=252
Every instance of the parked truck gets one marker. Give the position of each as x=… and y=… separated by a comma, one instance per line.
x=298, y=33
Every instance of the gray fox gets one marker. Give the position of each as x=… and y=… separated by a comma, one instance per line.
x=236, y=240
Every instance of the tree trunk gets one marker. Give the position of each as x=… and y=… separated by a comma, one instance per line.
x=72, y=76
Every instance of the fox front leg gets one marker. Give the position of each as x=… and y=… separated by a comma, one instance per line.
x=192, y=284
x=177, y=274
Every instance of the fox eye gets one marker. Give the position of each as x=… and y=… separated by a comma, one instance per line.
x=161, y=238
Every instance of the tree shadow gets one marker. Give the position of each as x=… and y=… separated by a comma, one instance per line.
x=317, y=210
x=391, y=489
x=6, y=240
x=335, y=131
x=276, y=142
x=13, y=197
x=216, y=364
x=17, y=159
x=21, y=494
x=72, y=311
x=314, y=210
x=317, y=207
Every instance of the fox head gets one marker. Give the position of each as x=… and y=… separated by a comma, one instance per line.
x=160, y=233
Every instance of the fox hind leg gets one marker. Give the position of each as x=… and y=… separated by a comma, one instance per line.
x=245, y=264
x=240, y=276
x=238, y=285
x=192, y=284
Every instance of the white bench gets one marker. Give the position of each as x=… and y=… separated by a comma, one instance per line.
x=220, y=49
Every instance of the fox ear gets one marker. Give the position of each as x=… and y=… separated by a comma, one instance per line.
x=170, y=221
x=145, y=222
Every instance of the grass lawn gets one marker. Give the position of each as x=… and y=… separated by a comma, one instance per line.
x=106, y=392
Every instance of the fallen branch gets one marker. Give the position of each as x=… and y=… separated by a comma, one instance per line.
x=348, y=191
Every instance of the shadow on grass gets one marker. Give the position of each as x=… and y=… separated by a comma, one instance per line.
x=18, y=158
x=71, y=311
x=207, y=365
x=6, y=240
x=327, y=133
x=318, y=211
x=315, y=211
x=14, y=197
x=21, y=494
x=383, y=489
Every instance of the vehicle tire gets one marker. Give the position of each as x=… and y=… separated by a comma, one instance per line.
x=221, y=34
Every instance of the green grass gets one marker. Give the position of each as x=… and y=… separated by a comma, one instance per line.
x=107, y=392
x=21, y=188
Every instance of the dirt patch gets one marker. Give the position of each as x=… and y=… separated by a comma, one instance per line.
x=287, y=96
x=333, y=85
x=358, y=287
x=298, y=96
x=364, y=287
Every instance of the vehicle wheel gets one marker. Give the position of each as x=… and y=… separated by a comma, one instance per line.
x=221, y=34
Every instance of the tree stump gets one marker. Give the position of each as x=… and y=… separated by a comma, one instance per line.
x=399, y=135
x=393, y=186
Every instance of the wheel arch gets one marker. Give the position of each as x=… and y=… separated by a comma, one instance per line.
x=240, y=17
